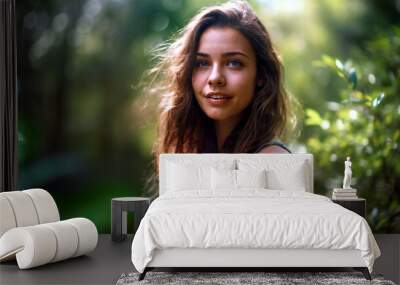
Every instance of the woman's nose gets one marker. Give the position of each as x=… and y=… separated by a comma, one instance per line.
x=216, y=77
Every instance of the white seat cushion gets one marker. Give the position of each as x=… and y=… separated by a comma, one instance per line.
x=7, y=218
x=87, y=234
x=26, y=208
x=32, y=246
x=67, y=239
x=23, y=208
x=40, y=244
x=45, y=205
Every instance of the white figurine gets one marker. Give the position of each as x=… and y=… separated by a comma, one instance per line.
x=347, y=174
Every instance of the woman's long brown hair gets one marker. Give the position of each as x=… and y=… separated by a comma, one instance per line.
x=181, y=123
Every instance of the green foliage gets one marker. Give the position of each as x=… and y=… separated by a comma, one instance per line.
x=85, y=136
x=84, y=133
x=364, y=124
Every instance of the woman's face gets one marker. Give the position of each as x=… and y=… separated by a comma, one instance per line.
x=224, y=75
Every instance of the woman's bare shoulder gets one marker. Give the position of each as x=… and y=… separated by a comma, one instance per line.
x=273, y=149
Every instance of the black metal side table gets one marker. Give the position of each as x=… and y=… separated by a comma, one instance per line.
x=358, y=205
x=119, y=209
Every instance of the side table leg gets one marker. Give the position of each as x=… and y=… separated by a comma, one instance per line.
x=138, y=215
x=140, y=211
x=117, y=222
x=124, y=223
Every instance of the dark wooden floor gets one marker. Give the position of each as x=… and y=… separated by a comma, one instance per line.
x=110, y=260
x=103, y=266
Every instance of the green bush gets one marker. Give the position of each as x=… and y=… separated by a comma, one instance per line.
x=364, y=124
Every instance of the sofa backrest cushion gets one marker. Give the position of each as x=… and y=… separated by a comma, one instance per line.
x=26, y=208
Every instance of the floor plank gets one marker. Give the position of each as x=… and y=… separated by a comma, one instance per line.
x=103, y=266
x=111, y=259
x=389, y=262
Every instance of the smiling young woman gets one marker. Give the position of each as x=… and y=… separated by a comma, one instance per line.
x=224, y=78
x=221, y=87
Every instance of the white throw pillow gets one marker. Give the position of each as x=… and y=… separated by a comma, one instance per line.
x=181, y=177
x=223, y=179
x=185, y=173
x=290, y=181
x=251, y=178
x=226, y=179
x=282, y=174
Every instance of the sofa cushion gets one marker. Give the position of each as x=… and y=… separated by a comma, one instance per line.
x=45, y=206
x=7, y=220
x=40, y=244
x=26, y=208
x=30, y=230
x=23, y=208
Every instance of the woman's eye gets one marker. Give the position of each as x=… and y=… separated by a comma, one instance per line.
x=201, y=63
x=234, y=63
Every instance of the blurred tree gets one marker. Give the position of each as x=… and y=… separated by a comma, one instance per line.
x=364, y=124
x=84, y=132
x=79, y=61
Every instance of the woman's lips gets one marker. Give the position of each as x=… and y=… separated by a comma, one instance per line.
x=217, y=99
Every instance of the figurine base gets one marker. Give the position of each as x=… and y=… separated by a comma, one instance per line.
x=344, y=194
x=344, y=189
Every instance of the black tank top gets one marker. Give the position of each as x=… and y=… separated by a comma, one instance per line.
x=211, y=143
